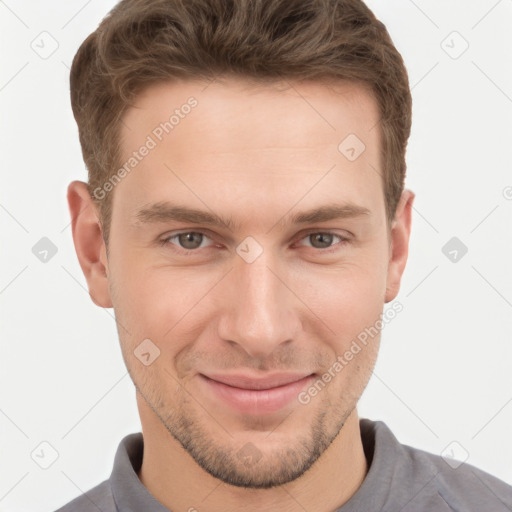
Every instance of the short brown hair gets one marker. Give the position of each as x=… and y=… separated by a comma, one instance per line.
x=143, y=42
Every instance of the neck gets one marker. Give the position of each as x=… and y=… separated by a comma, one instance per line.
x=173, y=477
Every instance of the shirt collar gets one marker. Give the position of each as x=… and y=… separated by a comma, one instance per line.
x=129, y=493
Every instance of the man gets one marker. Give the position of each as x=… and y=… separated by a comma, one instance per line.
x=246, y=218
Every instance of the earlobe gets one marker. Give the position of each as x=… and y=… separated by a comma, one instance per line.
x=89, y=243
x=399, y=251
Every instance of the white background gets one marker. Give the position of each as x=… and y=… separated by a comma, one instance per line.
x=443, y=373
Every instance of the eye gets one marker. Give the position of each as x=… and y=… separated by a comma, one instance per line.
x=323, y=240
x=188, y=240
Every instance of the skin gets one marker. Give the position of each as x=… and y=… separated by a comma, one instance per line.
x=257, y=154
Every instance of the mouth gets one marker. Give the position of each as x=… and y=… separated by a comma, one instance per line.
x=252, y=395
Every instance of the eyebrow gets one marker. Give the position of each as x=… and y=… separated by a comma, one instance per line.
x=167, y=212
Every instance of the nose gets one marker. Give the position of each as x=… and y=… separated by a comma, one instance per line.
x=261, y=307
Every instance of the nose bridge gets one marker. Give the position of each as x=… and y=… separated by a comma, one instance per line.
x=261, y=314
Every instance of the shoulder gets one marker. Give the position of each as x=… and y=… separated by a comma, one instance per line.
x=461, y=485
x=406, y=478
x=98, y=498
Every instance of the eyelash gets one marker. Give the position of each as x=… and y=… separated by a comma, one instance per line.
x=185, y=252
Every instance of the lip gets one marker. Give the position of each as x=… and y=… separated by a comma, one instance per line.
x=256, y=395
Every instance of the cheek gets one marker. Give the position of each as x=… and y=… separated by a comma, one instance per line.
x=345, y=294
x=352, y=309
x=154, y=303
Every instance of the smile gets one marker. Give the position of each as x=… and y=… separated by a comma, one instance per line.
x=256, y=396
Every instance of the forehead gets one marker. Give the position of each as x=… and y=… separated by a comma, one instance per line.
x=230, y=142
x=313, y=113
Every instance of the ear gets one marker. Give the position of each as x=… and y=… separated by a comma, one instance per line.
x=399, y=244
x=89, y=245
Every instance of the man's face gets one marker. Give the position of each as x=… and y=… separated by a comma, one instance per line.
x=262, y=296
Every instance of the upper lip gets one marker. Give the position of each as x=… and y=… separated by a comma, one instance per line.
x=246, y=381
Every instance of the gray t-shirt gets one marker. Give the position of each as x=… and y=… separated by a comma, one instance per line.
x=400, y=479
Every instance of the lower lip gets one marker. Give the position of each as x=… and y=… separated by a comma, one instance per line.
x=252, y=401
